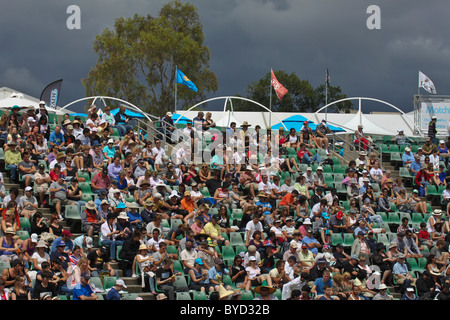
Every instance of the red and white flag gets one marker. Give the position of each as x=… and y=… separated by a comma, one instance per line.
x=279, y=89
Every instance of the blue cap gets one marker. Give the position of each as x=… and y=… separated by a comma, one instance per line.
x=198, y=261
x=121, y=205
x=60, y=243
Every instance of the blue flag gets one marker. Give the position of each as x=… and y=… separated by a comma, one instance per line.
x=181, y=78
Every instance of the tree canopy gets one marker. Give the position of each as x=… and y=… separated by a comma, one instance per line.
x=138, y=58
x=301, y=96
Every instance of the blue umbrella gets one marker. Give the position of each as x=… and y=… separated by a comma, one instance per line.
x=79, y=114
x=128, y=113
x=180, y=118
x=295, y=121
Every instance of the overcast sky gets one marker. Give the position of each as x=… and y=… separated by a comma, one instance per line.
x=246, y=39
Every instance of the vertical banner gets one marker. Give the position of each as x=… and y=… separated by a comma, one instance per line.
x=51, y=94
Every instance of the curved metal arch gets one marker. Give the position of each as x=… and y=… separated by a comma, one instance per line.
x=127, y=104
x=359, y=107
x=228, y=98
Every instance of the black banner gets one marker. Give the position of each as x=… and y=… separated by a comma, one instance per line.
x=51, y=94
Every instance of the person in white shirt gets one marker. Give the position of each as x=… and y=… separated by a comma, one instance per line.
x=251, y=227
x=434, y=159
x=264, y=185
x=157, y=150
x=109, y=231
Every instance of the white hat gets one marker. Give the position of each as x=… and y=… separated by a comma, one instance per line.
x=158, y=195
x=41, y=102
x=34, y=237
x=120, y=282
x=31, y=119
x=307, y=221
x=29, y=189
x=441, y=141
x=116, y=191
x=252, y=258
x=382, y=287
x=102, y=121
x=400, y=130
x=173, y=194
x=94, y=129
x=89, y=242
x=169, y=114
x=122, y=215
x=407, y=149
x=319, y=168
x=110, y=141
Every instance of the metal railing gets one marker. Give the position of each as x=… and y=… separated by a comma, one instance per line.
x=339, y=142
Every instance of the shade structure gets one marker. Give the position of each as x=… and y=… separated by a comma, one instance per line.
x=79, y=115
x=226, y=119
x=128, y=113
x=178, y=118
x=296, y=122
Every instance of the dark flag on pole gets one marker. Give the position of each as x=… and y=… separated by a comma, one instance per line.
x=51, y=94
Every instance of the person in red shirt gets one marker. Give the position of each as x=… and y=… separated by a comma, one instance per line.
x=101, y=181
x=307, y=157
x=290, y=200
x=422, y=179
x=56, y=172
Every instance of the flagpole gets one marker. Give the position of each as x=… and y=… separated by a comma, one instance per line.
x=418, y=85
x=270, y=95
x=175, y=85
x=326, y=96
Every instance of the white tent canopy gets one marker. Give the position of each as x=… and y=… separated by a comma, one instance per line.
x=368, y=126
x=10, y=98
x=226, y=119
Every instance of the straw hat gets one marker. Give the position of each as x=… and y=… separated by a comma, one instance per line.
x=224, y=293
x=90, y=205
x=41, y=244
x=264, y=285
x=143, y=246
x=10, y=230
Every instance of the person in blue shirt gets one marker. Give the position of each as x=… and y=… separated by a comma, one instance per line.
x=312, y=242
x=114, y=292
x=56, y=137
x=407, y=157
x=263, y=202
x=319, y=283
x=134, y=217
x=215, y=273
x=102, y=195
x=109, y=151
x=82, y=290
x=415, y=166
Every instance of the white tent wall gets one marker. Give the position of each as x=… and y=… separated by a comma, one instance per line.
x=375, y=124
x=10, y=97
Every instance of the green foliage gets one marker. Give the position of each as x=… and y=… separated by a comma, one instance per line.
x=301, y=96
x=137, y=59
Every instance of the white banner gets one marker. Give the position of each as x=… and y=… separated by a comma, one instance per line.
x=439, y=109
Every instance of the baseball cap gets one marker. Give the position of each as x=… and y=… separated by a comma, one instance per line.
x=120, y=282
x=85, y=276
x=89, y=242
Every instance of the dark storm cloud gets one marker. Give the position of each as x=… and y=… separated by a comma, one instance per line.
x=246, y=39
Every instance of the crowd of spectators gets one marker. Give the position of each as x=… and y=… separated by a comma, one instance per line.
x=261, y=220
